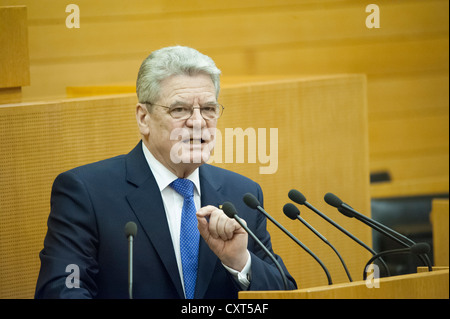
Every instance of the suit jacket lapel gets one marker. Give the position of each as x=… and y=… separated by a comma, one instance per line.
x=210, y=195
x=148, y=207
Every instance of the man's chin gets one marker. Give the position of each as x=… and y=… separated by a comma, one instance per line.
x=193, y=157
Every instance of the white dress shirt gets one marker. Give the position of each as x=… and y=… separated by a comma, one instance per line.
x=173, y=204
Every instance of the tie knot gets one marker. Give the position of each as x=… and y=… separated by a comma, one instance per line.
x=184, y=187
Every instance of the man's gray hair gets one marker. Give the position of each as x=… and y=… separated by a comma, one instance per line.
x=176, y=60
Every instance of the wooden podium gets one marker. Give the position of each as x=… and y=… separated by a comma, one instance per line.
x=422, y=285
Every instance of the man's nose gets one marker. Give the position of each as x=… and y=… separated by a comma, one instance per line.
x=196, y=117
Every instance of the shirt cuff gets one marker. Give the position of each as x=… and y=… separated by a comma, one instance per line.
x=243, y=276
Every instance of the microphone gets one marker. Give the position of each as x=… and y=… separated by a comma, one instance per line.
x=130, y=233
x=251, y=201
x=416, y=249
x=300, y=199
x=348, y=211
x=229, y=210
x=291, y=211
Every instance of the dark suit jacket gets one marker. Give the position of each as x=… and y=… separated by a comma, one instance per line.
x=90, y=206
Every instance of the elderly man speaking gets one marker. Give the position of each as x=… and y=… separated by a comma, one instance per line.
x=185, y=247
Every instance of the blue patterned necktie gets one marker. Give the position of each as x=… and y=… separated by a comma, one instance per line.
x=189, y=235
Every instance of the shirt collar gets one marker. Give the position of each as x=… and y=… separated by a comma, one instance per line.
x=164, y=176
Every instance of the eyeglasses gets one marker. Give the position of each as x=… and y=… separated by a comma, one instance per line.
x=210, y=111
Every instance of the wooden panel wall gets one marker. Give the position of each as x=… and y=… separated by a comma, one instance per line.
x=37, y=142
x=440, y=221
x=14, y=61
x=406, y=60
x=40, y=140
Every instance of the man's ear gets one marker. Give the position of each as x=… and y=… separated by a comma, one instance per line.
x=142, y=119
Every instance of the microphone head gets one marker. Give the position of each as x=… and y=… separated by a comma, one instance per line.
x=332, y=200
x=229, y=209
x=420, y=248
x=251, y=201
x=297, y=197
x=130, y=229
x=291, y=211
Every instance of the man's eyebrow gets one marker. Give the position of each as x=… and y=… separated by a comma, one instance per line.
x=182, y=103
x=210, y=103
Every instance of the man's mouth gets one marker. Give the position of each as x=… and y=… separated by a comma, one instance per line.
x=195, y=141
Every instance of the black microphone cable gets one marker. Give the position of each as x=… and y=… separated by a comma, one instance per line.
x=300, y=199
x=251, y=201
x=416, y=249
x=348, y=211
x=292, y=212
x=229, y=210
